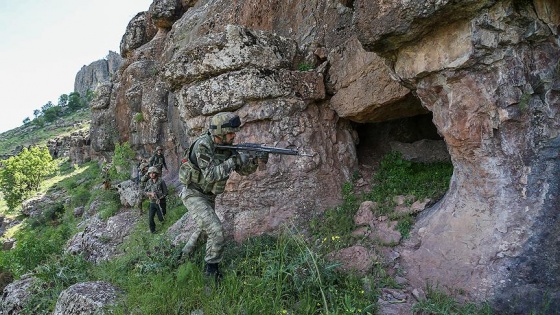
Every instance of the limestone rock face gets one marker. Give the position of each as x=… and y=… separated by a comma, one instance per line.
x=139, y=31
x=489, y=76
x=97, y=72
x=365, y=91
x=86, y=298
x=165, y=12
x=129, y=193
x=15, y=295
x=100, y=239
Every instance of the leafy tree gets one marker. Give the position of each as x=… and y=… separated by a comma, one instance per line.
x=37, y=113
x=63, y=100
x=75, y=102
x=52, y=113
x=26, y=120
x=47, y=106
x=39, y=122
x=22, y=174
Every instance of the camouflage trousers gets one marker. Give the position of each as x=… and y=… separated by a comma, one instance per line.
x=201, y=207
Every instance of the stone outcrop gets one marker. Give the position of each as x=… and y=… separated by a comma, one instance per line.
x=129, y=193
x=99, y=240
x=87, y=298
x=96, y=73
x=75, y=146
x=16, y=295
x=488, y=71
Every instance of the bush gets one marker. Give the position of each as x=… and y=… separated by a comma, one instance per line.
x=22, y=174
x=34, y=247
x=122, y=162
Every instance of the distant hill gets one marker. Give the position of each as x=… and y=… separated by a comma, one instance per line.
x=12, y=141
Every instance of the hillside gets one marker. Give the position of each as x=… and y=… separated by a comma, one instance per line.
x=12, y=141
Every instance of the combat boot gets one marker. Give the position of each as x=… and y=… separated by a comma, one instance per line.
x=212, y=270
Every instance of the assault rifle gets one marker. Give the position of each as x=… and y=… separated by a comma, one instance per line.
x=257, y=150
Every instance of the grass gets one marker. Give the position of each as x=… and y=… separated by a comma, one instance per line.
x=440, y=303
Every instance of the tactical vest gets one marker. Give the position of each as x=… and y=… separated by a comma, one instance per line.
x=191, y=175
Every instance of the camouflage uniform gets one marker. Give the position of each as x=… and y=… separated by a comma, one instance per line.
x=158, y=204
x=143, y=177
x=202, y=183
x=158, y=160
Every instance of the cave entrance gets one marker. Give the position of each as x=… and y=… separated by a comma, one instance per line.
x=378, y=139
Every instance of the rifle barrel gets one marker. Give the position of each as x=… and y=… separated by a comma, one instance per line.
x=261, y=148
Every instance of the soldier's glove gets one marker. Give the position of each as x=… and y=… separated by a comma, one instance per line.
x=241, y=159
x=263, y=156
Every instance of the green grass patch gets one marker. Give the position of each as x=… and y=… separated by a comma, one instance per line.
x=265, y=275
x=439, y=303
x=397, y=176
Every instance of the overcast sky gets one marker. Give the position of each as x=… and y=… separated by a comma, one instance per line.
x=44, y=43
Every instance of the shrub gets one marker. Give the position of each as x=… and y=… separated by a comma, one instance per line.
x=122, y=162
x=138, y=117
x=22, y=174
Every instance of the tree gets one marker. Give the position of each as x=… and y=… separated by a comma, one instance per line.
x=22, y=174
x=75, y=102
x=26, y=120
x=47, y=106
x=63, y=100
x=52, y=113
x=36, y=113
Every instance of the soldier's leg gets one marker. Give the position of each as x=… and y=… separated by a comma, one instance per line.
x=202, y=209
x=215, y=233
x=189, y=246
x=151, y=216
x=163, y=205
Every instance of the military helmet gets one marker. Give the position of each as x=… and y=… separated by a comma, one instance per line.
x=153, y=169
x=158, y=148
x=223, y=123
x=143, y=165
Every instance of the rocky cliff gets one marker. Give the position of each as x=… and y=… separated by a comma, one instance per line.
x=319, y=75
x=96, y=73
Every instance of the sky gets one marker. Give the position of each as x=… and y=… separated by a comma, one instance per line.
x=44, y=43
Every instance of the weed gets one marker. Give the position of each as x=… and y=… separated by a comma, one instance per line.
x=138, y=117
x=524, y=102
x=439, y=303
x=305, y=66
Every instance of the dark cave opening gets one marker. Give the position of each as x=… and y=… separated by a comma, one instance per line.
x=375, y=138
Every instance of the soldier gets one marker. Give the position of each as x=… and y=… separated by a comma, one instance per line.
x=141, y=170
x=156, y=190
x=204, y=172
x=158, y=160
x=142, y=179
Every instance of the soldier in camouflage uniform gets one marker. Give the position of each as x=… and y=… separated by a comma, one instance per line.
x=204, y=172
x=158, y=160
x=156, y=190
x=142, y=179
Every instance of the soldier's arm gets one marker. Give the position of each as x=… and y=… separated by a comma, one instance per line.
x=163, y=189
x=248, y=168
x=164, y=164
x=212, y=170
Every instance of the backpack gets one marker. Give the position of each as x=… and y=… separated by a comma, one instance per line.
x=189, y=171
